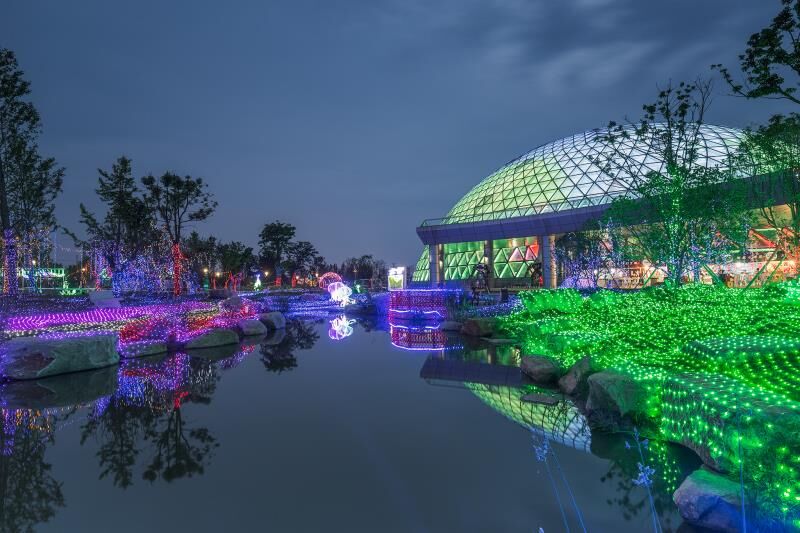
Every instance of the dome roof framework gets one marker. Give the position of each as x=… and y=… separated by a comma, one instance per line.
x=568, y=174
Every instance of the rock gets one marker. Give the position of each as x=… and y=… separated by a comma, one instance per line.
x=614, y=393
x=32, y=357
x=542, y=370
x=710, y=500
x=479, y=327
x=234, y=303
x=250, y=327
x=576, y=381
x=60, y=391
x=273, y=320
x=361, y=309
x=450, y=325
x=143, y=349
x=213, y=337
x=542, y=399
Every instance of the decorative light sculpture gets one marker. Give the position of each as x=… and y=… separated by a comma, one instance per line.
x=340, y=293
x=340, y=328
x=328, y=278
x=397, y=278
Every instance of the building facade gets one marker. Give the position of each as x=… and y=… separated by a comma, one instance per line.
x=511, y=220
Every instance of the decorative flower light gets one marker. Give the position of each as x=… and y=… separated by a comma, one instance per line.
x=340, y=328
x=340, y=293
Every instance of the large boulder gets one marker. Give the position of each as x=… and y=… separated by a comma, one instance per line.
x=611, y=391
x=576, y=381
x=479, y=327
x=212, y=338
x=250, y=327
x=710, y=500
x=33, y=358
x=273, y=320
x=450, y=325
x=540, y=369
x=60, y=391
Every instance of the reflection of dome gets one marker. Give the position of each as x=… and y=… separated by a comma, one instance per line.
x=565, y=175
x=561, y=422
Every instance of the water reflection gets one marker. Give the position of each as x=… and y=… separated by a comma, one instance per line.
x=277, y=350
x=491, y=372
x=29, y=493
x=132, y=413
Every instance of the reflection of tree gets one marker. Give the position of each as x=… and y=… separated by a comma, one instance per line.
x=179, y=452
x=120, y=427
x=147, y=409
x=279, y=356
x=29, y=494
x=630, y=498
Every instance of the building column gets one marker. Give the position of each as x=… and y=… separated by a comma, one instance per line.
x=488, y=253
x=547, y=244
x=435, y=258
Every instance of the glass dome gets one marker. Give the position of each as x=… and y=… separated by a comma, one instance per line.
x=565, y=175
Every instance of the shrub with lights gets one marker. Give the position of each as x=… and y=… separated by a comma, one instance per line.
x=721, y=367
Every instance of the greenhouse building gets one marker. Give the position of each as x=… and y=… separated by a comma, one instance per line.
x=511, y=220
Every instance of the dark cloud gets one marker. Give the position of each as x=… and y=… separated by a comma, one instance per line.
x=353, y=120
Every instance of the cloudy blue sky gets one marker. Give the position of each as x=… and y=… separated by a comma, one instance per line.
x=352, y=119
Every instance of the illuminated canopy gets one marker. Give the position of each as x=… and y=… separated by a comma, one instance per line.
x=565, y=175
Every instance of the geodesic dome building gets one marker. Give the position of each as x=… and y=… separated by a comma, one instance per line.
x=510, y=219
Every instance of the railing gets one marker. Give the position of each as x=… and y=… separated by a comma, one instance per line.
x=534, y=209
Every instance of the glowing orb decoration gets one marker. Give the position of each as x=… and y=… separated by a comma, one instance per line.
x=328, y=278
x=397, y=278
x=340, y=328
x=340, y=293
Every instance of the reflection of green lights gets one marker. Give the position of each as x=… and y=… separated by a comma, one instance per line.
x=722, y=366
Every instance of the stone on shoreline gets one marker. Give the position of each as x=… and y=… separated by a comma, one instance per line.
x=33, y=357
x=710, y=500
x=479, y=327
x=540, y=369
x=251, y=326
x=60, y=391
x=541, y=399
x=451, y=325
x=273, y=320
x=214, y=337
x=613, y=397
x=576, y=381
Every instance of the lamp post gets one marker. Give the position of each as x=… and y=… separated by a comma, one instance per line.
x=205, y=278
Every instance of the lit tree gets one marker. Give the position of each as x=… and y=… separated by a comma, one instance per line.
x=772, y=54
x=34, y=183
x=273, y=241
x=128, y=227
x=686, y=215
x=772, y=154
x=178, y=201
x=19, y=127
x=201, y=253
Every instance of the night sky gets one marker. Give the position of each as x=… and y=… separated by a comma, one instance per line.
x=353, y=120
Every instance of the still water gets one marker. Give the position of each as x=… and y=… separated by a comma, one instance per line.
x=306, y=433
